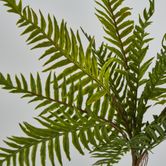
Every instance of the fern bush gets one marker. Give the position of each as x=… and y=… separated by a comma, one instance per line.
x=93, y=103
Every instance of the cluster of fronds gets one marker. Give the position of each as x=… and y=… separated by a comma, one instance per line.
x=94, y=102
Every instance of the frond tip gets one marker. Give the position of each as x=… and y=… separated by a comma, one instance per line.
x=117, y=26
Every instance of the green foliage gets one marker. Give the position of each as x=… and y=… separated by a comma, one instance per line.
x=93, y=103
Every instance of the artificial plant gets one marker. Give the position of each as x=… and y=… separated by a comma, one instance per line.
x=98, y=100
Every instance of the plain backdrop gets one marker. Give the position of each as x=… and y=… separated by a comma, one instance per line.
x=16, y=57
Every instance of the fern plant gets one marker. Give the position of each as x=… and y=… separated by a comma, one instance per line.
x=98, y=100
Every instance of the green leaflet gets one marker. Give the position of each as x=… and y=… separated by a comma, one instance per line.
x=96, y=96
x=66, y=146
x=162, y=102
x=76, y=143
x=50, y=26
x=47, y=86
x=144, y=68
x=88, y=61
x=24, y=82
x=83, y=139
x=20, y=158
x=26, y=156
x=116, y=52
x=33, y=155
x=57, y=65
x=42, y=21
x=48, y=52
x=80, y=97
x=39, y=84
x=32, y=84
x=67, y=72
x=94, y=67
x=105, y=106
x=96, y=107
x=107, y=65
x=56, y=90
x=18, y=83
x=57, y=150
x=97, y=133
x=64, y=91
x=43, y=153
x=90, y=136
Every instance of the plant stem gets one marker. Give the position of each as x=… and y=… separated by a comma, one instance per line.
x=139, y=159
x=134, y=158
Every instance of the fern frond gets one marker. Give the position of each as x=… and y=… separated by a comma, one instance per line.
x=117, y=26
x=47, y=95
x=139, y=45
x=138, y=68
x=154, y=88
x=152, y=135
x=63, y=48
x=110, y=153
x=67, y=103
x=38, y=140
x=119, y=33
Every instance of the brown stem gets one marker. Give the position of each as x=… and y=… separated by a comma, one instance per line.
x=134, y=158
x=139, y=159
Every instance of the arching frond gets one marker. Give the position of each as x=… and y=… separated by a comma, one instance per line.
x=63, y=48
x=23, y=150
x=68, y=102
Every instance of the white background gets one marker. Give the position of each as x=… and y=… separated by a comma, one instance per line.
x=16, y=57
